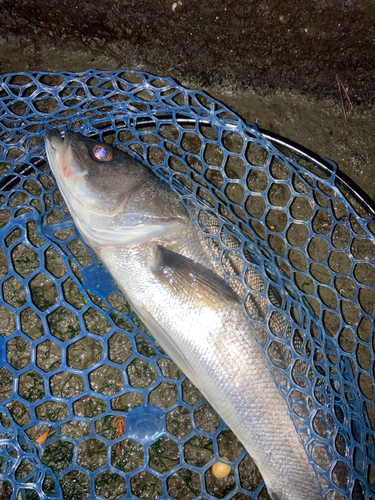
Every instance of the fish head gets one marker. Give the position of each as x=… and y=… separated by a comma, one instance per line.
x=113, y=198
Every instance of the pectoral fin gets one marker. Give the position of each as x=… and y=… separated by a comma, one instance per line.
x=191, y=281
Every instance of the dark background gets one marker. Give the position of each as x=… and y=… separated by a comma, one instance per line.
x=266, y=44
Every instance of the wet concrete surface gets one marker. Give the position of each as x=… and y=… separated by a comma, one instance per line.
x=311, y=115
x=265, y=44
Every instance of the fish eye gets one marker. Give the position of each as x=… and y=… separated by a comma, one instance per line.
x=102, y=153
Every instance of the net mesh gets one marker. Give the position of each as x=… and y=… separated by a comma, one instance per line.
x=91, y=405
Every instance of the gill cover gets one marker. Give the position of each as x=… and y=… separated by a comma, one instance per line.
x=113, y=198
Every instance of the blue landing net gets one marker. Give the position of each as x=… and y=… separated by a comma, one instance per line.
x=90, y=405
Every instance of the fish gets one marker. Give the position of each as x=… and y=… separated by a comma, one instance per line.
x=145, y=237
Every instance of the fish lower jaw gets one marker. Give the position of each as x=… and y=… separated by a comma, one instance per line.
x=127, y=236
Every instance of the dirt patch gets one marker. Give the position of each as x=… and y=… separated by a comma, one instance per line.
x=267, y=44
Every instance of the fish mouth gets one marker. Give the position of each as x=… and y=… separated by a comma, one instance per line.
x=63, y=165
x=61, y=154
x=54, y=139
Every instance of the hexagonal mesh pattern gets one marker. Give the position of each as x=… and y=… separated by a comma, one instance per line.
x=111, y=415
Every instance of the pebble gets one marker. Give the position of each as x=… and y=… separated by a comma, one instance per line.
x=221, y=470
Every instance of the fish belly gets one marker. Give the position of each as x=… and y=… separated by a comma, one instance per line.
x=220, y=355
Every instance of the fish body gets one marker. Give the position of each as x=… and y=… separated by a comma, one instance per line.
x=143, y=234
